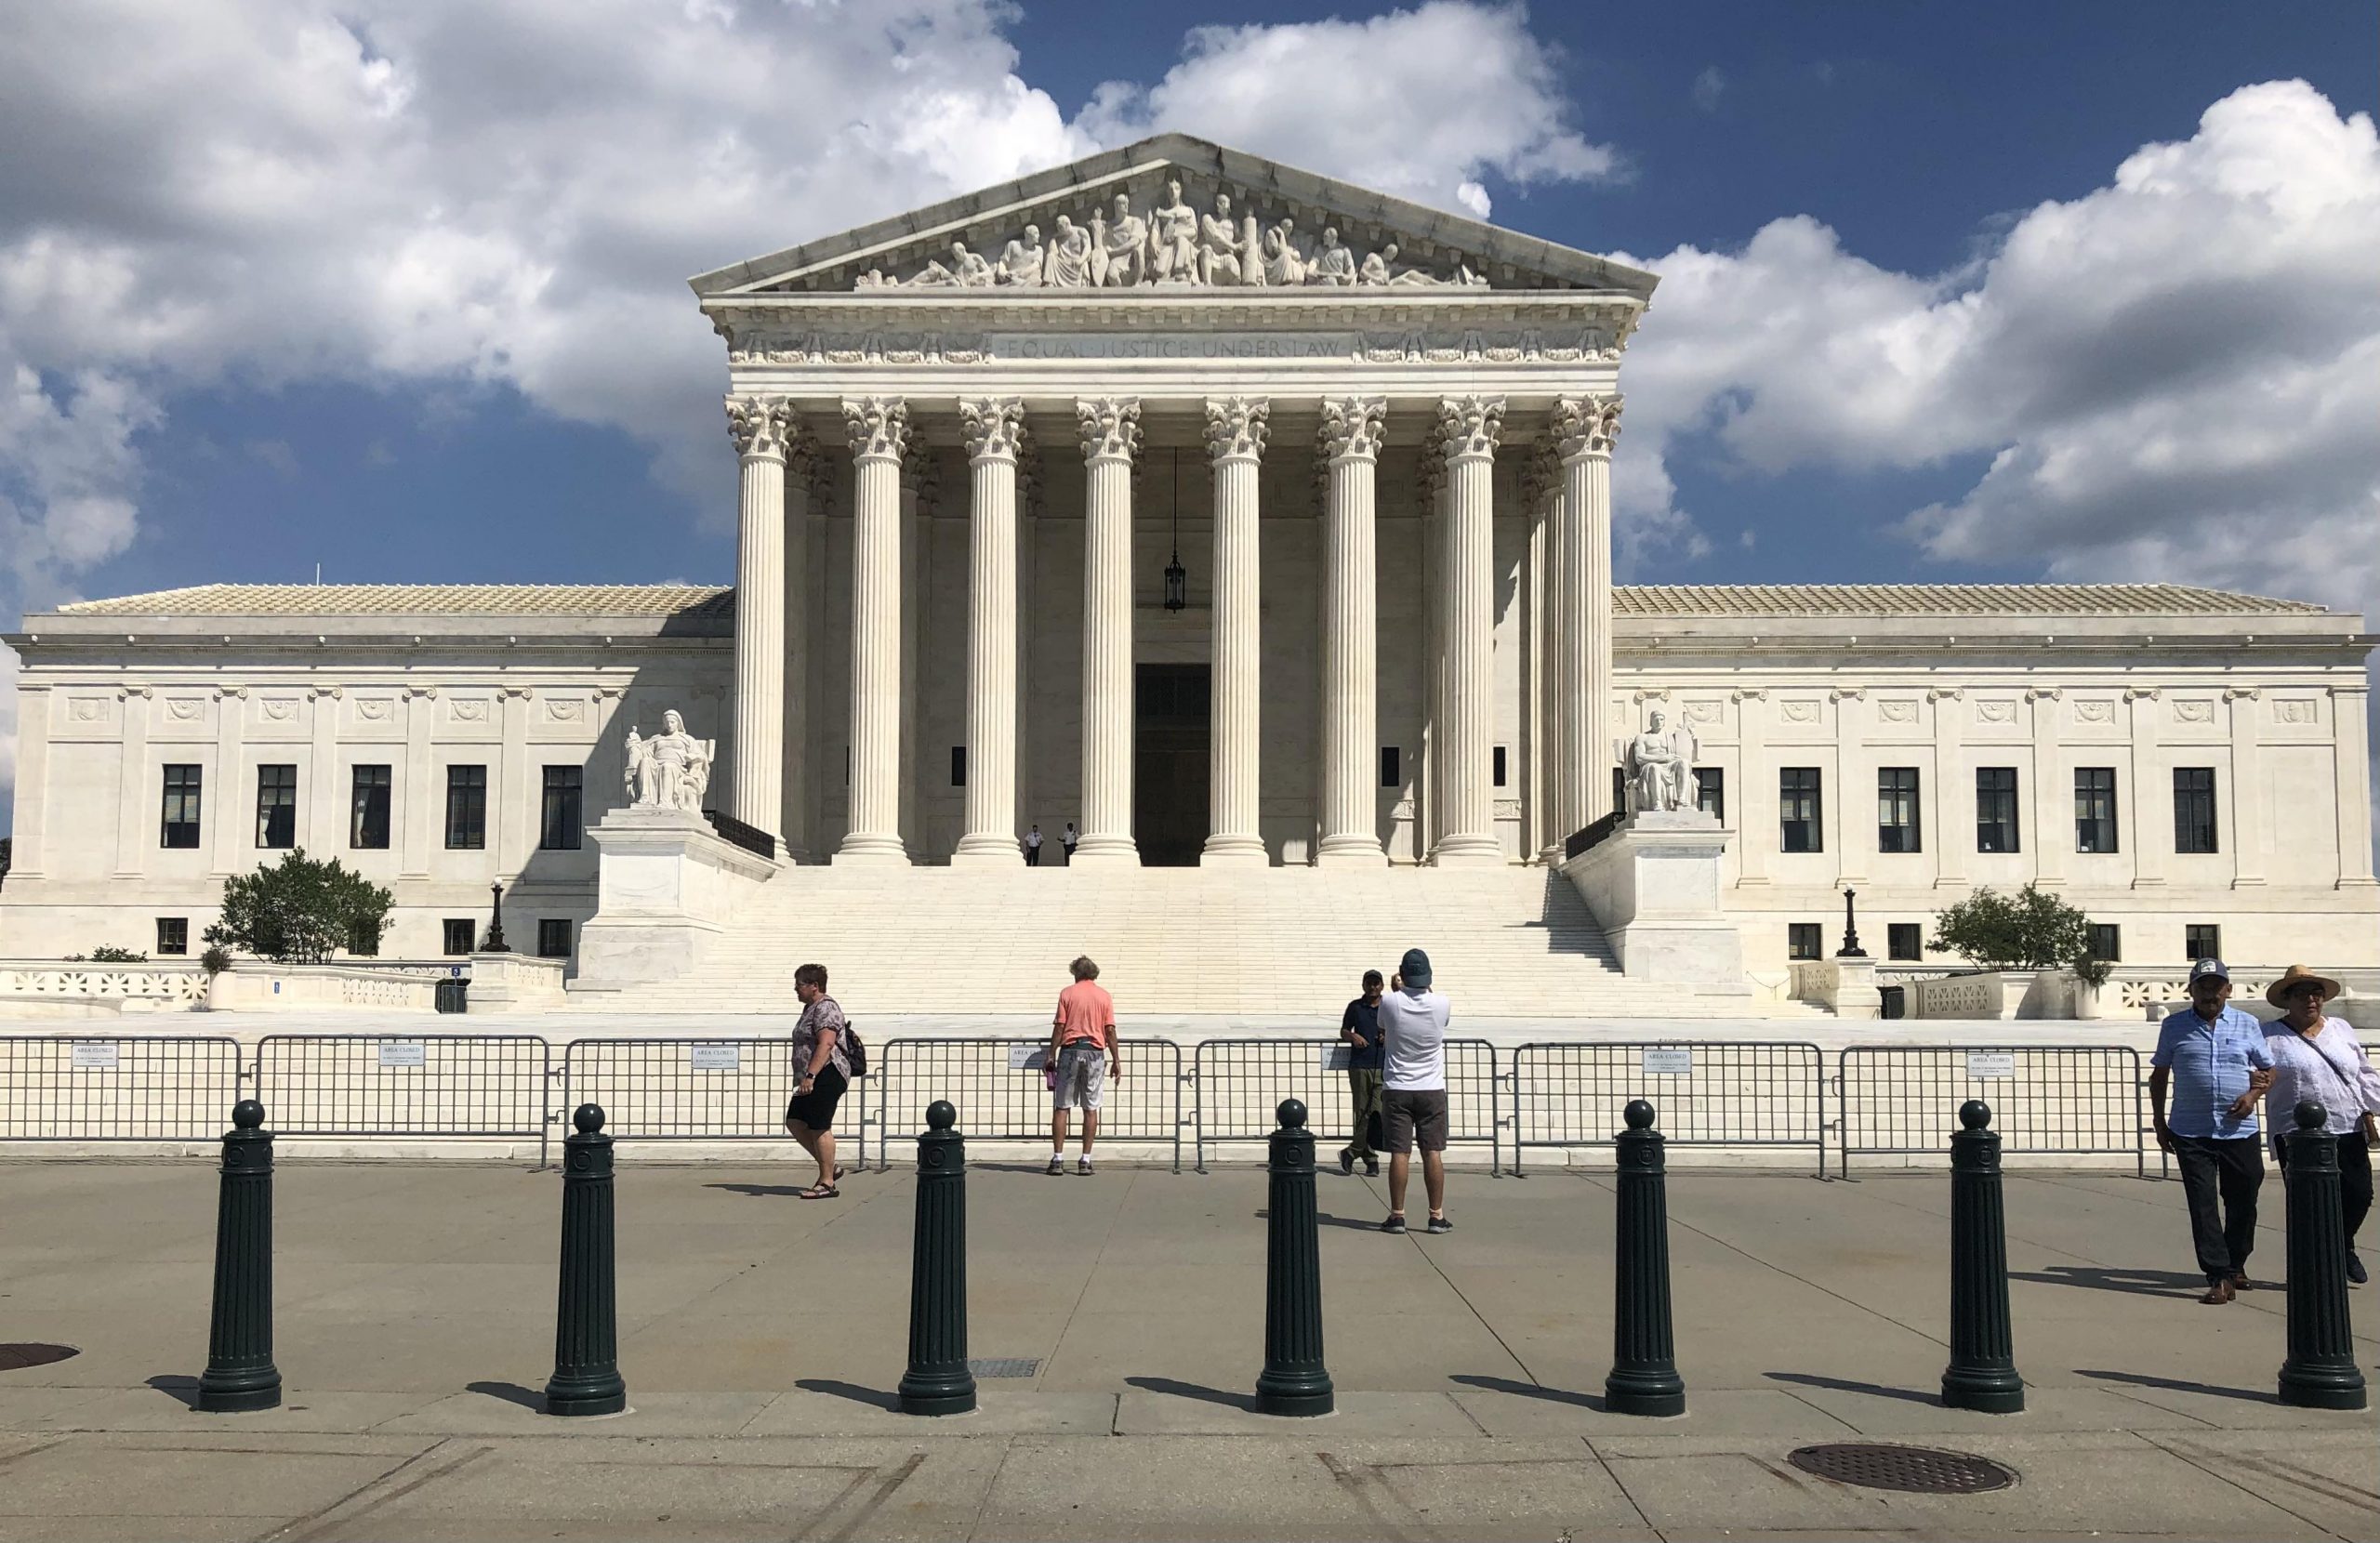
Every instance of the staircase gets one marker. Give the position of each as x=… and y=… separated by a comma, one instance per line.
x=1505, y=942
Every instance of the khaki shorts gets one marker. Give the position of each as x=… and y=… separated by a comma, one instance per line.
x=1082, y=1077
x=1411, y=1115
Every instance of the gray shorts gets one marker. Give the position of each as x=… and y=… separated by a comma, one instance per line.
x=1082, y=1077
x=1413, y=1114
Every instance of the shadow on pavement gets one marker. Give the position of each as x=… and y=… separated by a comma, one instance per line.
x=759, y=1189
x=1190, y=1389
x=512, y=1392
x=1324, y=1219
x=1530, y=1390
x=1843, y=1385
x=2177, y=1385
x=182, y=1388
x=853, y=1390
x=2137, y=1283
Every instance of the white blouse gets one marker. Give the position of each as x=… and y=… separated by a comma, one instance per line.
x=2325, y=1069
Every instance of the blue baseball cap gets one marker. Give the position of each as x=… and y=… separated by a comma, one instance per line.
x=2204, y=967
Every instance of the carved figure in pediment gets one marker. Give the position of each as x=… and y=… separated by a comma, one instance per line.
x=1334, y=263
x=1282, y=264
x=1173, y=241
x=1377, y=265
x=1120, y=249
x=1069, y=263
x=1219, y=244
x=1020, y=260
x=873, y=279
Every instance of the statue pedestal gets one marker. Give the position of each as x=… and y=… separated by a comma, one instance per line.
x=1653, y=885
x=666, y=886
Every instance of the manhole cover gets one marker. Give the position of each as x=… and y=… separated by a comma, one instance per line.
x=1004, y=1365
x=1913, y=1469
x=18, y=1357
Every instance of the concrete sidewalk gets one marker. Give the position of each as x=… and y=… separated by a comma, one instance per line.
x=761, y=1334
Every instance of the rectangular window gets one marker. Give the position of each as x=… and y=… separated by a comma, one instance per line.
x=276, y=807
x=1897, y=827
x=2202, y=940
x=173, y=935
x=1803, y=940
x=1496, y=768
x=459, y=931
x=2095, y=808
x=553, y=937
x=465, y=807
x=367, y=826
x=1905, y=939
x=181, y=818
x=1995, y=808
x=959, y=766
x=363, y=939
x=1392, y=766
x=1798, y=808
x=558, y=822
x=1710, y=792
x=2107, y=943
x=2193, y=809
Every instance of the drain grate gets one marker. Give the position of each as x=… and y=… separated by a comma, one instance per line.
x=1912, y=1469
x=1004, y=1365
x=18, y=1357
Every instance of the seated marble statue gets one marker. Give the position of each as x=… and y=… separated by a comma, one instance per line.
x=1334, y=263
x=1069, y=261
x=1119, y=248
x=1282, y=264
x=1173, y=238
x=1219, y=251
x=1377, y=265
x=1659, y=769
x=669, y=771
x=1020, y=260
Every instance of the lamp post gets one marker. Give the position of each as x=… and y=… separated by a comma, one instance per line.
x=495, y=943
x=1177, y=578
x=1850, y=949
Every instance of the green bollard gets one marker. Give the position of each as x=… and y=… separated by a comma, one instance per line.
x=240, y=1375
x=938, y=1381
x=1644, y=1377
x=586, y=1366
x=1982, y=1373
x=2320, y=1372
x=1294, y=1380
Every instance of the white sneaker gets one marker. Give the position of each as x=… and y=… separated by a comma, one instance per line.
x=1082, y=1165
x=1057, y=1163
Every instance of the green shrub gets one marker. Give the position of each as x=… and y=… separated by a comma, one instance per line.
x=2026, y=931
x=300, y=910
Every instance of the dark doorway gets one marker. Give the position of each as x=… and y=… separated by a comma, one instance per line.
x=1172, y=723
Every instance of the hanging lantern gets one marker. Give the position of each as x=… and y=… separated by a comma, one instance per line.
x=1177, y=577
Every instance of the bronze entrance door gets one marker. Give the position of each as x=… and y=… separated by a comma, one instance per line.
x=1169, y=735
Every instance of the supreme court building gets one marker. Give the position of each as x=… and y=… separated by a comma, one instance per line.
x=1248, y=522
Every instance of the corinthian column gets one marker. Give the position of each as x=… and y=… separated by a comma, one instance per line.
x=1584, y=428
x=1351, y=436
x=1111, y=437
x=879, y=430
x=993, y=429
x=762, y=428
x=1236, y=429
x=1467, y=428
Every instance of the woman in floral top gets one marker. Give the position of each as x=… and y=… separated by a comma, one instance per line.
x=824, y=1070
x=2318, y=1059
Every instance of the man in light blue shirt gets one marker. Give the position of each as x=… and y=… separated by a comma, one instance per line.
x=2213, y=1059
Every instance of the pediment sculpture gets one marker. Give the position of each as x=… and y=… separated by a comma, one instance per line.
x=1658, y=768
x=1170, y=243
x=669, y=771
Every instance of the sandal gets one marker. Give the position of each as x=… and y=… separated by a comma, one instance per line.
x=817, y=1191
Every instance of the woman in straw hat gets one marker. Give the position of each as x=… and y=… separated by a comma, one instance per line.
x=2317, y=1057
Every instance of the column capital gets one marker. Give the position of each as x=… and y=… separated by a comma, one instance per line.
x=763, y=427
x=1237, y=428
x=1111, y=428
x=992, y=427
x=877, y=427
x=1469, y=428
x=1586, y=426
x=1352, y=427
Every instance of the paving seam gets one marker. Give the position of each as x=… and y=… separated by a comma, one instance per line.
x=2248, y=1461
x=1132, y=1178
x=1823, y=1409
x=2147, y=1404
x=311, y=1519
x=1620, y=1485
x=1414, y=1240
x=984, y=1501
x=1357, y=1481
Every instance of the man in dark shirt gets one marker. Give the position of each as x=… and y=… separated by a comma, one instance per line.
x=1359, y=1030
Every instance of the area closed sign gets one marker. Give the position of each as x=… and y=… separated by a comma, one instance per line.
x=1669, y=1061
x=404, y=1053
x=1991, y=1063
x=97, y=1057
x=715, y=1057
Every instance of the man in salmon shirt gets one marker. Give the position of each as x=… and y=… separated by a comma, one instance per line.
x=1084, y=1052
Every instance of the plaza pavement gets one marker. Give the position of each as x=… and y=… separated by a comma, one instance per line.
x=761, y=1337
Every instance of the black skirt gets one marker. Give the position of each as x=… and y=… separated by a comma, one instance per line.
x=816, y=1108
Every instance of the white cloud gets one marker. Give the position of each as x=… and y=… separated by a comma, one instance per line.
x=2175, y=375
x=1708, y=87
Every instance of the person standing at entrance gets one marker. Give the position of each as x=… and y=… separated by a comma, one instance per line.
x=821, y=1067
x=2317, y=1059
x=1033, y=848
x=1359, y=1031
x=1084, y=1052
x=1067, y=839
x=2214, y=1058
x=1413, y=1099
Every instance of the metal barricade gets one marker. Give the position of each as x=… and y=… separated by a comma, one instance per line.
x=699, y=1089
x=998, y=1088
x=1710, y=1092
x=1241, y=1083
x=2046, y=1099
x=484, y=1085
x=117, y=1088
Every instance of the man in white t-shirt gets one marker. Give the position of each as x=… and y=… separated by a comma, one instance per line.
x=1413, y=1102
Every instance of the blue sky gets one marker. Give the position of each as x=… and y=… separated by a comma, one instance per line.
x=398, y=288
